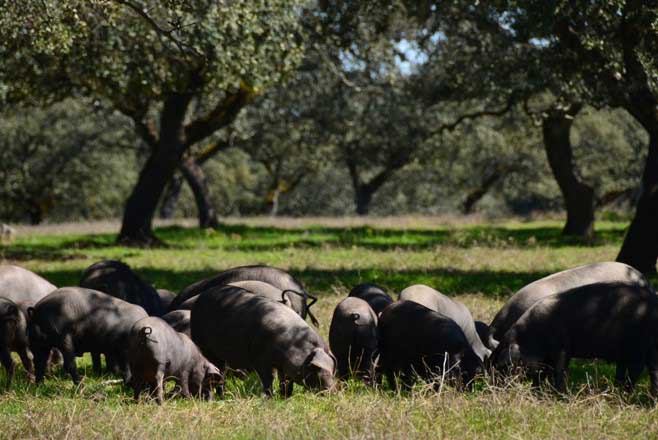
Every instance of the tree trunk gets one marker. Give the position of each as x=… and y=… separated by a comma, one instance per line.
x=578, y=196
x=137, y=226
x=171, y=195
x=35, y=213
x=198, y=183
x=362, y=199
x=640, y=247
x=476, y=195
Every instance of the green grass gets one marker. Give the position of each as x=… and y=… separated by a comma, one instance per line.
x=480, y=265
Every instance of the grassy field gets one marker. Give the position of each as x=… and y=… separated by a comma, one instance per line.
x=477, y=264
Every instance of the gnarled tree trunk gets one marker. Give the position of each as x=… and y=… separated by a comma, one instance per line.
x=578, y=196
x=155, y=174
x=198, y=183
x=475, y=195
x=170, y=198
x=362, y=198
x=640, y=247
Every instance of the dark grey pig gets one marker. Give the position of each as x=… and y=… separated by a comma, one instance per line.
x=606, y=272
x=77, y=320
x=157, y=353
x=13, y=337
x=454, y=310
x=353, y=338
x=271, y=275
x=179, y=320
x=257, y=287
x=374, y=295
x=21, y=288
x=249, y=332
x=614, y=322
x=21, y=285
x=118, y=280
x=267, y=290
x=415, y=340
x=166, y=297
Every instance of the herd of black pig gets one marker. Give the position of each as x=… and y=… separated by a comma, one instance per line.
x=253, y=318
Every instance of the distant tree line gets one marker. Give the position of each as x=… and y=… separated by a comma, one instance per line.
x=137, y=108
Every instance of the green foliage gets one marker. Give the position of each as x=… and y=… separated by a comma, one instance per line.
x=133, y=53
x=64, y=162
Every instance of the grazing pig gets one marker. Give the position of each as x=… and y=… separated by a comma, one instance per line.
x=179, y=320
x=415, y=340
x=77, y=320
x=21, y=288
x=13, y=337
x=614, y=322
x=521, y=301
x=256, y=287
x=271, y=275
x=21, y=285
x=374, y=295
x=157, y=353
x=458, y=312
x=249, y=332
x=118, y=280
x=353, y=338
x=166, y=297
x=267, y=290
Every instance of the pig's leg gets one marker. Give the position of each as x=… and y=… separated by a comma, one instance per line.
x=266, y=377
x=40, y=363
x=96, y=363
x=70, y=366
x=219, y=388
x=8, y=363
x=26, y=359
x=124, y=367
x=159, y=380
x=111, y=363
x=285, y=386
x=185, y=385
x=137, y=389
x=560, y=371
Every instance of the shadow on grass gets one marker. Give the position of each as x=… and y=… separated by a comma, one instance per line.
x=263, y=238
x=449, y=281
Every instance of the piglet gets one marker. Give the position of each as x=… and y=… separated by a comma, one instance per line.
x=157, y=353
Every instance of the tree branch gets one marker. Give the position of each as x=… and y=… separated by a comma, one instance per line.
x=613, y=196
x=207, y=153
x=222, y=115
x=168, y=34
x=474, y=115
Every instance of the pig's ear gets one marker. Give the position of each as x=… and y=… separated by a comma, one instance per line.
x=212, y=370
x=324, y=361
x=12, y=310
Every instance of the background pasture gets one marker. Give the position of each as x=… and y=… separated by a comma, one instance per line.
x=478, y=264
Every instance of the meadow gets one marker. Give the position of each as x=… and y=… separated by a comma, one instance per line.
x=479, y=264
